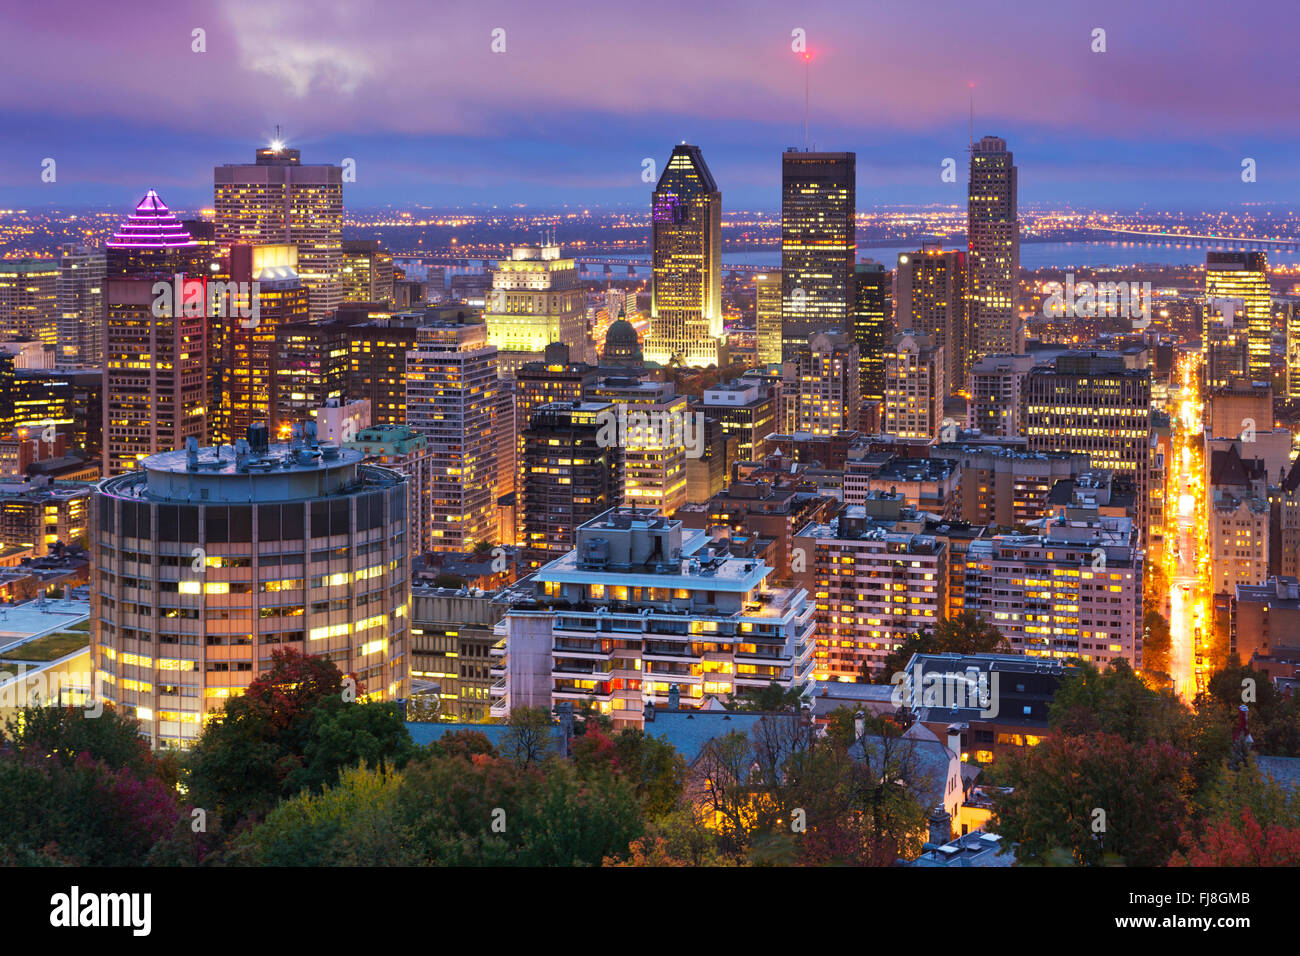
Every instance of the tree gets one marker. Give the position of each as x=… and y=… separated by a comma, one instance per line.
x=288, y=731
x=966, y=633
x=772, y=698
x=531, y=737
x=1243, y=842
x=65, y=733
x=1117, y=701
x=1094, y=797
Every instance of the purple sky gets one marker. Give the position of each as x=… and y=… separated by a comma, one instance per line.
x=585, y=91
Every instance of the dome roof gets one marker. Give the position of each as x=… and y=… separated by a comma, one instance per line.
x=622, y=337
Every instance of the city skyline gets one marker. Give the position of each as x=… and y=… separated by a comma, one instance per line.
x=440, y=118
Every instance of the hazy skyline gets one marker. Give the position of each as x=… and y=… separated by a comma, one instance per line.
x=581, y=96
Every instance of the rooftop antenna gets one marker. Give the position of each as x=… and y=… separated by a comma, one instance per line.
x=807, y=60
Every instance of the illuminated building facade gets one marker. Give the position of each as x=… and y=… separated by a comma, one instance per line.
x=873, y=325
x=310, y=370
x=1091, y=404
x=367, y=272
x=825, y=394
x=932, y=299
x=993, y=267
x=207, y=561
x=818, y=244
x=1238, y=518
x=39, y=517
x=568, y=476
x=79, y=291
x=29, y=299
x=872, y=588
x=405, y=451
x=248, y=342
x=451, y=397
x=654, y=459
x=277, y=199
x=1051, y=597
x=686, y=277
x=997, y=395
x=536, y=299
x=643, y=612
x=915, y=386
x=1243, y=276
x=767, y=317
x=746, y=409
x=155, y=376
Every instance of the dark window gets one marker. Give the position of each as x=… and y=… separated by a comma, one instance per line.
x=218, y=525
x=189, y=524
x=268, y=523
x=339, y=519
x=241, y=523
x=292, y=527
x=320, y=519
x=168, y=522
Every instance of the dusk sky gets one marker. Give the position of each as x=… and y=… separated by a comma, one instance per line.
x=412, y=91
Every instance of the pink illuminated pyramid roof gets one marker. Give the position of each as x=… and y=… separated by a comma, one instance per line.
x=151, y=226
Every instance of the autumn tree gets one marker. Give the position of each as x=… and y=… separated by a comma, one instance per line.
x=965, y=633
x=1094, y=797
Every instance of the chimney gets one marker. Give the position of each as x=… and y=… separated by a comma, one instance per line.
x=859, y=725
x=674, y=696
x=954, y=738
x=940, y=826
x=564, y=710
x=649, y=712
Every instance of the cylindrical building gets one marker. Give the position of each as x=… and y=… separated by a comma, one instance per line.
x=207, y=561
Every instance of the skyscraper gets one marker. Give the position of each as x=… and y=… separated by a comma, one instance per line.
x=818, y=244
x=686, y=281
x=79, y=290
x=367, y=274
x=569, y=477
x=826, y=391
x=536, y=299
x=278, y=199
x=914, y=386
x=29, y=299
x=1243, y=276
x=873, y=326
x=767, y=317
x=156, y=351
x=451, y=387
x=993, y=232
x=932, y=300
x=248, y=342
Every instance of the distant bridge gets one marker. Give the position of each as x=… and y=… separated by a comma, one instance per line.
x=585, y=263
x=1228, y=240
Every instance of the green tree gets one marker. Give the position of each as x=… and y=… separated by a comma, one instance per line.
x=531, y=736
x=966, y=633
x=1094, y=798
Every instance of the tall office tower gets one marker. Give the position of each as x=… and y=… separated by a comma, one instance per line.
x=874, y=586
x=690, y=624
x=1290, y=320
x=505, y=435
x=310, y=370
x=451, y=387
x=536, y=299
x=155, y=376
x=247, y=367
x=367, y=272
x=406, y=452
x=278, y=199
x=915, y=386
x=29, y=309
x=1090, y=403
x=873, y=326
x=79, y=291
x=767, y=317
x=556, y=378
x=1225, y=344
x=376, y=362
x=997, y=395
x=818, y=244
x=826, y=391
x=1244, y=276
x=1047, y=594
x=569, y=477
x=686, y=277
x=932, y=299
x=654, y=451
x=302, y=547
x=993, y=268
